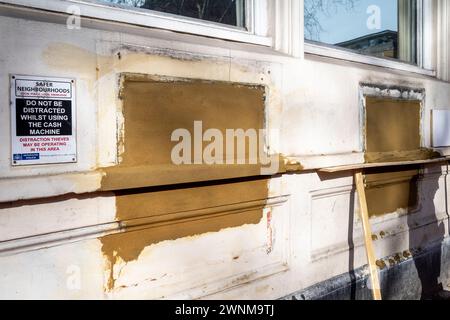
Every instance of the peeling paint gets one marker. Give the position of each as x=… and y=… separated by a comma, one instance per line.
x=173, y=204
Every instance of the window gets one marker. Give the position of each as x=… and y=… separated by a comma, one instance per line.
x=243, y=21
x=230, y=12
x=381, y=28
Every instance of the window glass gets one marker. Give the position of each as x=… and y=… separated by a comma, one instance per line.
x=229, y=12
x=383, y=28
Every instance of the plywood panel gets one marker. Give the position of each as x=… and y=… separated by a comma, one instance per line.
x=153, y=110
x=393, y=134
x=392, y=126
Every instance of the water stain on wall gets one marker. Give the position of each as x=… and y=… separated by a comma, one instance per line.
x=68, y=57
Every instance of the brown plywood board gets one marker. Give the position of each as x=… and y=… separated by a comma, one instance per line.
x=155, y=199
x=391, y=190
x=154, y=109
x=392, y=126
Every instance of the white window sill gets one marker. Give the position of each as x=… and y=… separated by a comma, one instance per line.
x=146, y=18
x=343, y=54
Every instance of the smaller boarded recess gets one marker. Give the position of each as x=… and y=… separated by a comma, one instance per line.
x=393, y=133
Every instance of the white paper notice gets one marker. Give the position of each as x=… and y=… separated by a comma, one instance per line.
x=441, y=128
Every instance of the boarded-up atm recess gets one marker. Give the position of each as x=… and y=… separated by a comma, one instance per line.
x=173, y=201
x=154, y=109
x=392, y=134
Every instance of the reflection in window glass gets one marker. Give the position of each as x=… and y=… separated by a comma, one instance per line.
x=383, y=28
x=229, y=12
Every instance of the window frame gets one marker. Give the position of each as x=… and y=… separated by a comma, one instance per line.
x=424, y=62
x=377, y=90
x=256, y=31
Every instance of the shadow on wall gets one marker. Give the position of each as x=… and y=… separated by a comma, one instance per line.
x=425, y=230
x=426, y=235
x=351, y=245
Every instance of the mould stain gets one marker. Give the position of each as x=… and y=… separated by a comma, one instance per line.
x=169, y=53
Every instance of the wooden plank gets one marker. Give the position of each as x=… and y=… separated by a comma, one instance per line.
x=375, y=281
x=381, y=165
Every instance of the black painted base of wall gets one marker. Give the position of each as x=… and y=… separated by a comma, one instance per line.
x=422, y=277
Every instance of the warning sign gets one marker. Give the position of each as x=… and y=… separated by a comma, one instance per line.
x=42, y=120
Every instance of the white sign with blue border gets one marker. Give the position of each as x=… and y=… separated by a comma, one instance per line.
x=43, y=120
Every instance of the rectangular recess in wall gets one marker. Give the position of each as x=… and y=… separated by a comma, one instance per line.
x=155, y=107
x=393, y=130
x=392, y=133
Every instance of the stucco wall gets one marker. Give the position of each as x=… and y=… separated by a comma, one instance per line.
x=53, y=217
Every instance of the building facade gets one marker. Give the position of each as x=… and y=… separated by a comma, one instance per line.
x=115, y=218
